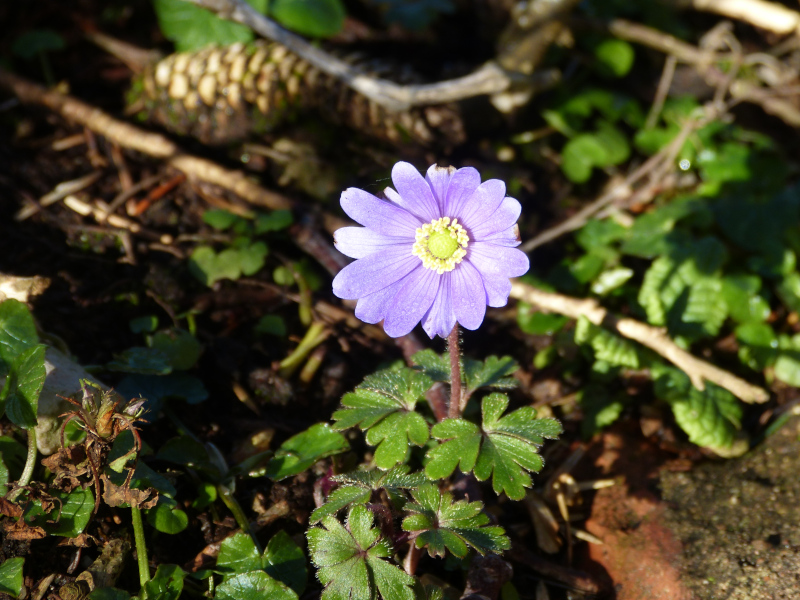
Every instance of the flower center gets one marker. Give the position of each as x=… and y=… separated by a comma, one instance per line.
x=441, y=244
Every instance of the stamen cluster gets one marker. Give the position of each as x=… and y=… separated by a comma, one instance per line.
x=441, y=244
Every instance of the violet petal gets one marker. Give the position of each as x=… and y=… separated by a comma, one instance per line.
x=468, y=295
x=379, y=215
x=508, y=237
x=497, y=290
x=440, y=318
x=462, y=185
x=415, y=192
x=483, y=203
x=500, y=261
x=374, y=272
x=373, y=307
x=504, y=217
x=411, y=302
x=358, y=242
x=438, y=179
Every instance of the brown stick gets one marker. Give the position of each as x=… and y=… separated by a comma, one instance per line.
x=151, y=144
x=699, y=371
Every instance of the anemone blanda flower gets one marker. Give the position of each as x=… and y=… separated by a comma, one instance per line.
x=438, y=250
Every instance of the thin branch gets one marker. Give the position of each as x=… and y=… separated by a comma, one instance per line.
x=487, y=79
x=766, y=15
x=134, y=138
x=661, y=92
x=699, y=371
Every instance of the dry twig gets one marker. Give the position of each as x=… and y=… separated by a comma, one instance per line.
x=699, y=371
x=487, y=79
x=134, y=138
x=766, y=15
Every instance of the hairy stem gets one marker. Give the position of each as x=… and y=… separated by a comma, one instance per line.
x=454, y=348
x=141, y=546
x=412, y=559
x=30, y=463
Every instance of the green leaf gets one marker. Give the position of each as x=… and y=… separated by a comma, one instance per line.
x=158, y=389
x=166, y=584
x=17, y=332
x=745, y=305
x=191, y=27
x=26, y=379
x=314, y=18
x=146, y=324
x=238, y=554
x=351, y=563
x=108, y=594
x=255, y=585
x=208, y=266
x=438, y=523
x=274, y=221
x=252, y=258
x=144, y=361
x=11, y=576
x=710, y=417
x=383, y=405
x=220, y=219
x=535, y=322
x=167, y=519
x=611, y=279
x=580, y=155
x=492, y=373
x=607, y=346
x=435, y=366
x=301, y=451
x=67, y=519
x=359, y=486
x=32, y=43
x=600, y=408
x=616, y=56
x=339, y=499
x=505, y=448
x=284, y=561
x=181, y=348
x=271, y=325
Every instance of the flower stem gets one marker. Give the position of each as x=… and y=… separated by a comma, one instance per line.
x=30, y=463
x=412, y=559
x=238, y=514
x=141, y=546
x=454, y=348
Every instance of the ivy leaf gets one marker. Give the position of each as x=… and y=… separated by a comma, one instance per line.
x=504, y=448
x=383, y=405
x=359, y=486
x=282, y=560
x=350, y=561
x=440, y=523
x=301, y=451
x=11, y=576
x=166, y=584
x=25, y=381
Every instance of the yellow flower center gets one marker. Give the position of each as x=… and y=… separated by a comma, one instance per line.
x=441, y=244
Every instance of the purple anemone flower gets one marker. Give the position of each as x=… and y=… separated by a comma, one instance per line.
x=438, y=250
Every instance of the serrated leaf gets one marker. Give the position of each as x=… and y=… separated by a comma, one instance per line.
x=745, y=304
x=350, y=561
x=438, y=523
x=11, y=576
x=383, y=405
x=166, y=584
x=505, y=447
x=493, y=373
x=600, y=408
x=435, y=366
x=607, y=346
x=301, y=451
x=339, y=499
x=395, y=478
